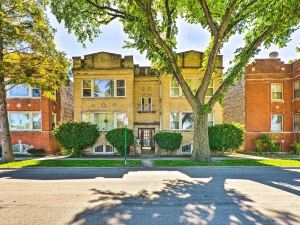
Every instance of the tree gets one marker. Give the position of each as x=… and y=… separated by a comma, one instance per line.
x=151, y=28
x=27, y=55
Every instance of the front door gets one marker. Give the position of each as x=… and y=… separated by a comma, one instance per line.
x=146, y=136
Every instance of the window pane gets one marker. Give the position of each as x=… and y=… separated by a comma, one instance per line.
x=296, y=122
x=99, y=149
x=103, y=88
x=19, y=121
x=297, y=89
x=87, y=92
x=276, y=95
x=277, y=90
x=174, y=88
x=120, y=83
x=186, y=148
x=109, y=149
x=120, y=117
x=121, y=88
x=87, y=117
x=174, y=120
x=187, y=121
x=276, y=123
x=36, y=92
x=121, y=92
x=20, y=90
x=87, y=84
x=104, y=121
x=36, y=121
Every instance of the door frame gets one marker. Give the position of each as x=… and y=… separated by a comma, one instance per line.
x=140, y=135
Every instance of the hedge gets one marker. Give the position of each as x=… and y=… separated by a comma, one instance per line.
x=116, y=138
x=36, y=152
x=224, y=137
x=168, y=140
x=74, y=137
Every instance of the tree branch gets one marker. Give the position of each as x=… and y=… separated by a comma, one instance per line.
x=111, y=11
x=213, y=27
x=240, y=65
x=169, y=19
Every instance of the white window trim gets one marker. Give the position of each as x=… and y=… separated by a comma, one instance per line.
x=93, y=88
x=282, y=128
x=278, y=100
x=23, y=97
x=30, y=120
x=180, y=94
x=151, y=106
x=93, y=118
x=104, y=150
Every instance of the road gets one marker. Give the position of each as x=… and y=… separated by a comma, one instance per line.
x=206, y=195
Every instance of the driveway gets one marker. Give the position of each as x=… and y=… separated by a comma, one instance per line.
x=206, y=195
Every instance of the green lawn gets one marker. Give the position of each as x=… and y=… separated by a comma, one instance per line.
x=231, y=162
x=70, y=163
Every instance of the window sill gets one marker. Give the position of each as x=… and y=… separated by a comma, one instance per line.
x=104, y=97
x=25, y=130
x=277, y=100
x=9, y=98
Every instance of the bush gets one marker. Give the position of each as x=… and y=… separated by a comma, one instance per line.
x=36, y=152
x=223, y=137
x=116, y=138
x=74, y=137
x=267, y=143
x=168, y=140
x=296, y=147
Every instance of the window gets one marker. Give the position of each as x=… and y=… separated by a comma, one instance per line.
x=36, y=92
x=104, y=121
x=210, y=119
x=185, y=120
x=146, y=104
x=276, y=123
x=121, y=90
x=175, y=89
x=174, y=121
x=20, y=148
x=87, y=117
x=297, y=89
x=23, y=91
x=296, y=122
x=277, y=91
x=103, y=88
x=187, y=148
x=53, y=120
x=104, y=149
x=120, y=119
x=25, y=121
x=87, y=88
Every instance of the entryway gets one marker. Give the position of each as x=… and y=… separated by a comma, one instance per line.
x=147, y=142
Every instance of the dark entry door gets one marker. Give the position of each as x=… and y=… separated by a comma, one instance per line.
x=146, y=136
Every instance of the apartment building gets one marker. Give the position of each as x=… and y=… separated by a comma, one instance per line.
x=32, y=116
x=267, y=101
x=108, y=86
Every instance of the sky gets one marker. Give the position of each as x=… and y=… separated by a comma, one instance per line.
x=190, y=37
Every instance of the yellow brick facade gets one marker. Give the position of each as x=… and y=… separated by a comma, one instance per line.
x=141, y=82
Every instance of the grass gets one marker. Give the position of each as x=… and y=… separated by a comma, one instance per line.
x=232, y=162
x=70, y=163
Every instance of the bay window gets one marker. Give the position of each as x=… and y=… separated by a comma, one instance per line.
x=103, y=88
x=185, y=120
x=19, y=121
x=105, y=121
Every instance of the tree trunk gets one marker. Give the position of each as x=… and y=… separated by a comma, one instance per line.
x=7, y=153
x=201, y=150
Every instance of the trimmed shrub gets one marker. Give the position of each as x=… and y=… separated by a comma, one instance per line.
x=227, y=136
x=267, y=143
x=74, y=137
x=36, y=152
x=169, y=141
x=296, y=147
x=116, y=138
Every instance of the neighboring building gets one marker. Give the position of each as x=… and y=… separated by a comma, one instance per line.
x=107, y=87
x=33, y=116
x=267, y=100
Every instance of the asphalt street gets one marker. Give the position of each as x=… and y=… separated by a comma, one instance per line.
x=206, y=195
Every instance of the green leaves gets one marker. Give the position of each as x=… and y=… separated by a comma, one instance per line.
x=116, y=138
x=168, y=140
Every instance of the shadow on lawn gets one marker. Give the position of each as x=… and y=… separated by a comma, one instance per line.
x=178, y=202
